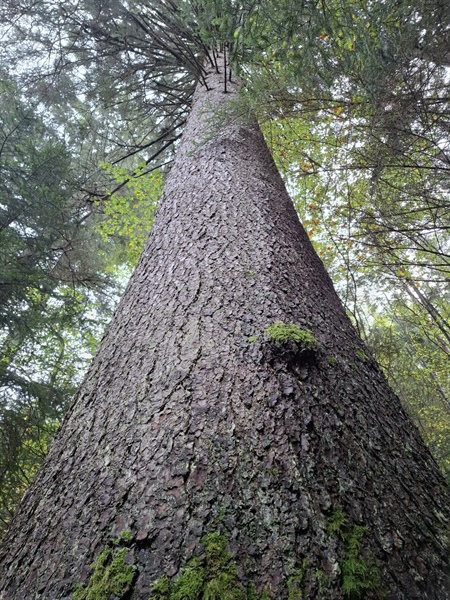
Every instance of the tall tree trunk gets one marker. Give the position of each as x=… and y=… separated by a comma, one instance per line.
x=193, y=418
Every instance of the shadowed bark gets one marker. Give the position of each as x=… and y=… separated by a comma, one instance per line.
x=192, y=419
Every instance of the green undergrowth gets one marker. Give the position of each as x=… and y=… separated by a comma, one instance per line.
x=280, y=333
x=112, y=576
x=360, y=574
x=213, y=577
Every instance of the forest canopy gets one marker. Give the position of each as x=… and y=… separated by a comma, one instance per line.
x=353, y=99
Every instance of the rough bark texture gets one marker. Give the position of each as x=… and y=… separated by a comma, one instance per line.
x=184, y=425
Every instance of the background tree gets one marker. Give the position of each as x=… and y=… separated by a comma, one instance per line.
x=63, y=258
x=54, y=293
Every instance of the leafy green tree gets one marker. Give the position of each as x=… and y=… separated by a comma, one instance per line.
x=129, y=209
x=415, y=358
x=53, y=291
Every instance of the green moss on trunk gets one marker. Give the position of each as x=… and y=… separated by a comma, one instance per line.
x=360, y=573
x=281, y=333
x=111, y=575
x=212, y=578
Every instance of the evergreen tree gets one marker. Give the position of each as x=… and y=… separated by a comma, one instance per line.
x=50, y=278
x=231, y=400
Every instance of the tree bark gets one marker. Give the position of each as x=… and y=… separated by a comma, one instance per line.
x=191, y=419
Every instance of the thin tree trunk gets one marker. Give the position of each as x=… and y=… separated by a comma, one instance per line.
x=191, y=419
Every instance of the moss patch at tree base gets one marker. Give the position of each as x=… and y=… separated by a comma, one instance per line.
x=360, y=574
x=212, y=578
x=111, y=575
